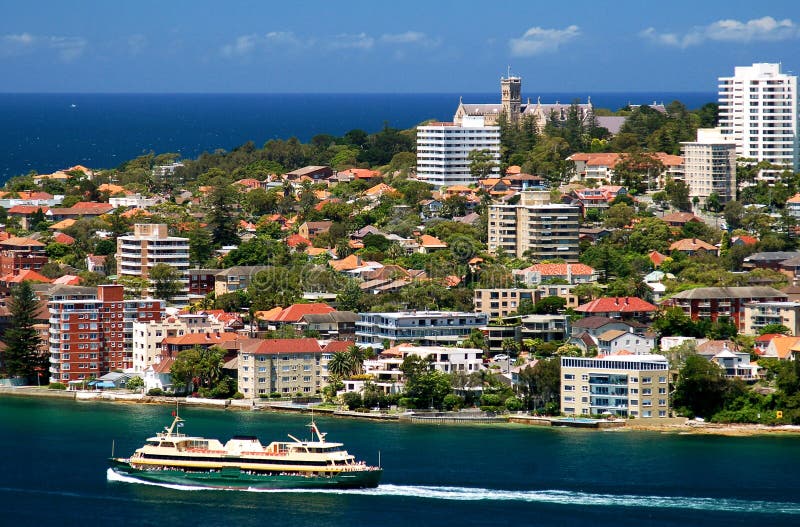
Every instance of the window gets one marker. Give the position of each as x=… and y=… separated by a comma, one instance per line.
x=569, y=376
x=569, y=399
x=646, y=380
x=662, y=380
x=662, y=391
x=662, y=402
x=647, y=402
x=647, y=391
x=569, y=388
x=584, y=389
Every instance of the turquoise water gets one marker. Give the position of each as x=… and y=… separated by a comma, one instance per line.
x=53, y=470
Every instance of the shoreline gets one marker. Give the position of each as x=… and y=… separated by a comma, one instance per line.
x=679, y=426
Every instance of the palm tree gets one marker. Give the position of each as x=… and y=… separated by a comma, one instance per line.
x=341, y=364
x=357, y=356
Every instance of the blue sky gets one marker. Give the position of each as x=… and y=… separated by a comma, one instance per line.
x=393, y=46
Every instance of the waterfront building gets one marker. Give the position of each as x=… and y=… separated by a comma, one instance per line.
x=285, y=366
x=443, y=150
x=760, y=314
x=535, y=228
x=91, y=330
x=149, y=336
x=446, y=359
x=709, y=165
x=149, y=245
x=423, y=327
x=201, y=282
x=622, y=385
x=758, y=110
x=715, y=303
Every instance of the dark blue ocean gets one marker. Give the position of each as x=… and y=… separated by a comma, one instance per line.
x=47, y=132
x=53, y=471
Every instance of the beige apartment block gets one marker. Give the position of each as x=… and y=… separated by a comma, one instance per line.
x=535, y=228
x=760, y=314
x=149, y=245
x=285, y=366
x=621, y=385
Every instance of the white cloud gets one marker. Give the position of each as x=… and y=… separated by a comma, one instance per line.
x=352, y=41
x=136, y=43
x=765, y=29
x=246, y=45
x=540, y=40
x=66, y=49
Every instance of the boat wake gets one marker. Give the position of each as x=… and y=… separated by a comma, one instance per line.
x=555, y=497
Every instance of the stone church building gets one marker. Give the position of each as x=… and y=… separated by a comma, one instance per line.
x=511, y=105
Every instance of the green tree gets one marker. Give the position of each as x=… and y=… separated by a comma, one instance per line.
x=341, y=364
x=774, y=328
x=541, y=383
x=701, y=387
x=350, y=297
x=220, y=214
x=619, y=215
x=481, y=163
x=166, y=281
x=678, y=193
x=201, y=246
x=198, y=367
x=425, y=386
x=135, y=384
x=549, y=305
x=21, y=356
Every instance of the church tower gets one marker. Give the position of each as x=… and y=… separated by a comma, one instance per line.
x=511, y=97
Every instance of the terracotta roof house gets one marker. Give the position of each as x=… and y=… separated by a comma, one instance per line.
x=346, y=264
x=428, y=244
x=311, y=229
x=679, y=219
x=65, y=239
x=294, y=313
x=744, y=240
x=337, y=346
x=379, y=190
x=619, y=307
x=692, y=246
x=295, y=240
x=80, y=209
x=782, y=347
x=575, y=273
x=657, y=258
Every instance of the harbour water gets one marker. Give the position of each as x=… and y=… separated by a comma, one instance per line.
x=53, y=471
x=47, y=132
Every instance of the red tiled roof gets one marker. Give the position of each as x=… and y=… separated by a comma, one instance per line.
x=194, y=339
x=164, y=366
x=26, y=275
x=295, y=239
x=21, y=242
x=427, y=240
x=336, y=346
x=657, y=258
x=561, y=269
x=295, y=312
x=27, y=209
x=691, y=244
x=62, y=238
x=623, y=304
x=278, y=346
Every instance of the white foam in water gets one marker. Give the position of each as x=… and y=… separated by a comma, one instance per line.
x=556, y=497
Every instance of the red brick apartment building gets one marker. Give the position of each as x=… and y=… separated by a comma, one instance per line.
x=713, y=303
x=21, y=254
x=91, y=331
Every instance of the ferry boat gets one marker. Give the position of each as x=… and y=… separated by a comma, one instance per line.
x=243, y=462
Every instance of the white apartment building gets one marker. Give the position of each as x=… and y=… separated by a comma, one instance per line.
x=758, y=108
x=151, y=244
x=545, y=230
x=424, y=327
x=618, y=385
x=709, y=165
x=147, y=336
x=443, y=150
